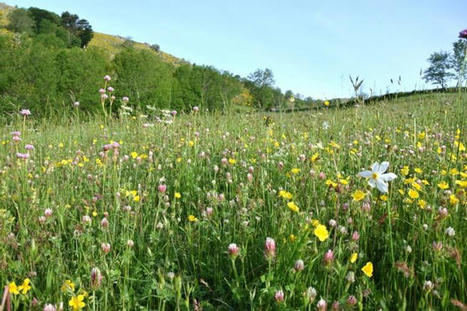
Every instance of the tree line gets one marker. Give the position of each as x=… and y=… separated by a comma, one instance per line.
x=47, y=65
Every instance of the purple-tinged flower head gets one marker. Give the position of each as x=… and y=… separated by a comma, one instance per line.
x=195, y=108
x=105, y=247
x=86, y=219
x=101, y=91
x=107, y=147
x=23, y=156
x=270, y=248
x=25, y=112
x=96, y=277
x=336, y=306
x=125, y=99
x=162, y=188
x=233, y=250
x=279, y=296
x=48, y=212
x=29, y=147
x=110, y=89
x=463, y=34
x=115, y=145
x=299, y=265
x=310, y=294
x=355, y=236
x=49, y=307
x=112, y=97
x=76, y=104
x=15, y=133
x=437, y=246
x=130, y=243
x=104, y=222
x=107, y=78
x=16, y=138
x=328, y=257
x=322, y=305
x=104, y=96
x=351, y=301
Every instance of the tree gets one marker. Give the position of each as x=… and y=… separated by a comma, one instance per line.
x=438, y=71
x=262, y=77
x=21, y=21
x=458, y=59
x=78, y=27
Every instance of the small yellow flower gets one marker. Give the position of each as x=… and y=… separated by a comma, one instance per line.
x=68, y=285
x=405, y=170
x=461, y=183
x=192, y=218
x=293, y=207
x=25, y=287
x=284, y=194
x=418, y=170
x=413, y=194
x=295, y=170
x=177, y=195
x=12, y=288
x=134, y=155
x=358, y=195
x=384, y=198
x=326, y=103
x=232, y=161
x=453, y=199
x=136, y=198
x=321, y=232
x=292, y=237
x=443, y=185
x=368, y=269
x=422, y=204
x=76, y=302
x=353, y=257
x=315, y=223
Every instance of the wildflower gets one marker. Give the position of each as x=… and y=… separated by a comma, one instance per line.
x=353, y=257
x=321, y=305
x=177, y=195
x=96, y=277
x=130, y=243
x=463, y=34
x=279, y=296
x=293, y=207
x=105, y=247
x=377, y=177
x=413, y=194
x=428, y=285
x=351, y=301
x=368, y=269
x=358, y=195
x=195, y=108
x=355, y=236
x=299, y=265
x=49, y=307
x=284, y=194
x=76, y=302
x=233, y=250
x=350, y=277
x=270, y=248
x=107, y=78
x=328, y=257
x=13, y=288
x=162, y=188
x=443, y=185
x=321, y=232
x=450, y=231
x=68, y=285
x=25, y=112
x=29, y=147
x=326, y=103
x=453, y=199
x=76, y=104
x=192, y=218
x=295, y=171
x=310, y=294
x=25, y=287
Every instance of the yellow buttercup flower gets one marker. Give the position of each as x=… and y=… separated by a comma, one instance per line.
x=177, y=195
x=68, y=285
x=453, y=199
x=443, y=185
x=25, y=287
x=358, y=195
x=353, y=257
x=321, y=232
x=295, y=170
x=192, y=218
x=76, y=302
x=293, y=207
x=413, y=194
x=12, y=288
x=368, y=269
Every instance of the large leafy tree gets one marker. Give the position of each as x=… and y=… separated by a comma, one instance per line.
x=21, y=21
x=439, y=70
x=78, y=27
x=458, y=58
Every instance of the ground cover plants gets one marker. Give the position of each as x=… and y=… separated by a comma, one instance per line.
x=361, y=208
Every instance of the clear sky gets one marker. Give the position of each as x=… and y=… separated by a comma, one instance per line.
x=311, y=46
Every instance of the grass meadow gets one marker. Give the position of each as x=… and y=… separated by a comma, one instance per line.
x=254, y=211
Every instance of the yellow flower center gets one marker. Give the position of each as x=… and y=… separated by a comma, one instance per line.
x=374, y=175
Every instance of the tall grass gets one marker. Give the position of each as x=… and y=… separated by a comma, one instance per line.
x=156, y=213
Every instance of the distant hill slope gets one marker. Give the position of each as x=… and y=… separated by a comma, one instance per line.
x=112, y=44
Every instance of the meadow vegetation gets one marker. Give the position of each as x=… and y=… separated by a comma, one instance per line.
x=168, y=211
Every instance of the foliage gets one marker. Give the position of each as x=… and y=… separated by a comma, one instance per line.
x=439, y=70
x=458, y=59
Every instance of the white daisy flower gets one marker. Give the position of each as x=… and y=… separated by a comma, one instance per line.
x=377, y=177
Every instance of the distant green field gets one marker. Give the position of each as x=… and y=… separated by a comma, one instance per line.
x=253, y=211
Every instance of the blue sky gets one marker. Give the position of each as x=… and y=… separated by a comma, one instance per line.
x=311, y=46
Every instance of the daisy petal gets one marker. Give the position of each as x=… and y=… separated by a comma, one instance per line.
x=382, y=185
x=365, y=174
x=388, y=176
x=375, y=167
x=383, y=167
x=372, y=182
